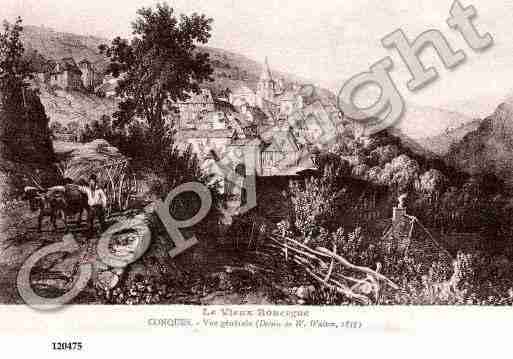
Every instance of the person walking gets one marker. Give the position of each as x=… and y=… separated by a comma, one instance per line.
x=97, y=201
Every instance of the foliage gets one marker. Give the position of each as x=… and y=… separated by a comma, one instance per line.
x=433, y=181
x=14, y=69
x=440, y=199
x=140, y=291
x=360, y=170
x=472, y=278
x=384, y=154
x=314, y=202
x=159, y=65
x=26, y=140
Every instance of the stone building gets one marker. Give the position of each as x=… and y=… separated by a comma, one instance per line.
x=243, y=95
x=195, y=109
x=66, y=75
x=266, y=87
x=207, y=143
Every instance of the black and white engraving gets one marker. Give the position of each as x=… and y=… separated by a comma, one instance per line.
x=183, y=156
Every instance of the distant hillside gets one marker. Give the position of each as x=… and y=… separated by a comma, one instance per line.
x=441, y=144
x=55, y=45
x=419, y=122
x=413, y=145
x=488, y=149
x=230, y=69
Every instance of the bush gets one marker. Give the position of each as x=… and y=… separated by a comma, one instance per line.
x=314, y=203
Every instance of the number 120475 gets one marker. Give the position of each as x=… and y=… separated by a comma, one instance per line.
x=67, y=346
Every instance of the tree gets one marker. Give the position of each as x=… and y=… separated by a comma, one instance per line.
x=374, y=175
x=433, y=182
x=315, y=204
x=384, y=154
x=14, y=69
x=24, y=131
x=159, y=66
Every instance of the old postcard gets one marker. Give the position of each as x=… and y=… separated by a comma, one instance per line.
x=201, y=167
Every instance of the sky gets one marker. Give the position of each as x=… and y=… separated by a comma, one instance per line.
x=327, y=41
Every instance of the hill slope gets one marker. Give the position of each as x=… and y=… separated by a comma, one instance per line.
x=420, y=122
x=64, y=107
x=488, y=149
x=55, y=45
x=230, y=69
x=441, y=144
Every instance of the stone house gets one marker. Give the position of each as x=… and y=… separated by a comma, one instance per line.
x=195, y=109
x=243, y=95
x=43, y=71
x=280, y=153
x=289, y=102
x=206, y=143
x=66, y=75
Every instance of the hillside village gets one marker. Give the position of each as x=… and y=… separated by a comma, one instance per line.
x=280, y=121
x=68, y=75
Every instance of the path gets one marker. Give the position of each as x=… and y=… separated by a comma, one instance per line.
x=225, y=277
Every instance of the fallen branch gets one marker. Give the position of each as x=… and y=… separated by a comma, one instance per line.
x=366, y=270
x=332, y=276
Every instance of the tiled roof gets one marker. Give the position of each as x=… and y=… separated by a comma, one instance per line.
x=205, y=96
x=282, y=141
x=246, y=142
x=221, y=105
x=270, y=109
x=258, y=114
x=67, y=64
x=187, y=134
x=288, y=95
x=241, y=120
x=242, y=89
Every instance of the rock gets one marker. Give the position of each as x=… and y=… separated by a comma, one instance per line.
x=127, y=239
x=305, y=292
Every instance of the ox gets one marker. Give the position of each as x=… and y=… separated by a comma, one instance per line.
x=55, y=202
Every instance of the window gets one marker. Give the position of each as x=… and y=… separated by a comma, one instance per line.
x=267, y=159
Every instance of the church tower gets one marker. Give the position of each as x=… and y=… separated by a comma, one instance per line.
x=266, y=85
